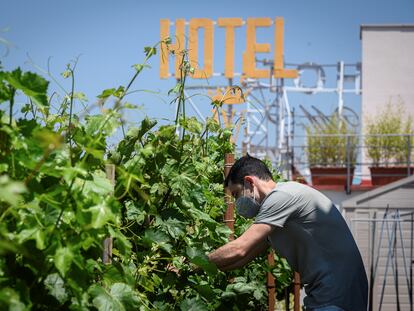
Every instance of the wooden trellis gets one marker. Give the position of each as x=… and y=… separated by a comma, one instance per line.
x=107, y=244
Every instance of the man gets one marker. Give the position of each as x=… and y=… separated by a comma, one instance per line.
x=303, y=226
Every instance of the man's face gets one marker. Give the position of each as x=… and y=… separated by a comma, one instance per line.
x=238, y=190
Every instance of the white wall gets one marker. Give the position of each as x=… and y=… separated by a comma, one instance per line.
x=387, y=68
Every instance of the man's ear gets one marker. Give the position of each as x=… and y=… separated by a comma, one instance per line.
x=248, y=182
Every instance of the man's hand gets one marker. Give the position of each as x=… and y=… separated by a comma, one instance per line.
x=171, y=268
x=239, y=252
x=193, y=268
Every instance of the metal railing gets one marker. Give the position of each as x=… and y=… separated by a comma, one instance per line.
x=347, y=151
x=356, y=153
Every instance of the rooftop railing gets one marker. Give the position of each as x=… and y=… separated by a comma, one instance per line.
x=358, y=157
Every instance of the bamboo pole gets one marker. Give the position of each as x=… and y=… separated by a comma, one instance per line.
x=107, y=244
x=296, y=291
x=229, y=215
x=271, y=284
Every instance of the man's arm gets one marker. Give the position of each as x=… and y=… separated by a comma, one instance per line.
x=237, y=253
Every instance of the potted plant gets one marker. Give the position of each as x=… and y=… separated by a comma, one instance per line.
x=331, y=151
x=389, y=141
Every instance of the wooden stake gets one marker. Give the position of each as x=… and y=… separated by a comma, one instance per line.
x=296, y=291
x=229, y=215
x=107, y=244
x=271, y=284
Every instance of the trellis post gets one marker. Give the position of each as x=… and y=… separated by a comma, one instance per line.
x=229, y=215
x=296, y=292
x=271, y=284
x=107, y=244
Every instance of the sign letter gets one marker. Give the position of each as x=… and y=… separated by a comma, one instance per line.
x=177, y=47
x=207, y=24
x=279, y=71
x=229, y=24
x=252, y=47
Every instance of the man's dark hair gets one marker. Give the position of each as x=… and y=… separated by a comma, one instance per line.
x=246, y=166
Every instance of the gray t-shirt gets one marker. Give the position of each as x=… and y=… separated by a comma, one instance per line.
x=314, y=238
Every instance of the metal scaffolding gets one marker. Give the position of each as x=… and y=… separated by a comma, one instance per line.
x=269, y=117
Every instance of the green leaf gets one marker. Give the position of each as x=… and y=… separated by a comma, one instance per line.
x=55, y=285
x=135, y=212
x=31, y=85
x=205, y=289
x=119, y=92
x=175, y=228
x=121, y=297
x=71, y=172
x=200, y=259
x=106, y=93
x=80, y=96
x=101, y=124
x=3, y=167
x=120, y=241
x=33, y=234
x=140, y=67
x=101, y=214
x=47, y=139
x=196, y=213
x=228, y=295
x=99, y=184
x=10, y=190
x=10, y=298
x=4, y=90
x=150, y=51
x=6, y=247
x=193, y=304
x=258, y=294
x=66, y=74
x=241, y=288
x=63, y=259
x=176, y=89
x=146, y=125
x=159, y=238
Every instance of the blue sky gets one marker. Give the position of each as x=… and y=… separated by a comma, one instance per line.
x=110, y=37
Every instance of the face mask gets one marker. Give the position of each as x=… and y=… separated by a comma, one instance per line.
x=247, y=206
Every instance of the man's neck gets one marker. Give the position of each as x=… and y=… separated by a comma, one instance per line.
x=264, y=187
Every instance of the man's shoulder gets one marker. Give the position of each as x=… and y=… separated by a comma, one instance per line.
x=290, y=189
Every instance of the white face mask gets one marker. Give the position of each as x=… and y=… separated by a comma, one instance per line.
x=247, y=206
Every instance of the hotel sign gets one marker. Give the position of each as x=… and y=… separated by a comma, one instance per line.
x=229, y=24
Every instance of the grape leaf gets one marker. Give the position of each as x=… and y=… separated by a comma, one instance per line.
x=31, y=85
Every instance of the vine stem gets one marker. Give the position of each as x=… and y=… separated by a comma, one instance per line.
x=70, y=115
x=63, y=206
x=13, y=92
x=124, y=93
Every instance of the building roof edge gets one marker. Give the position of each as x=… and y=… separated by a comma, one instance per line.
x=383, y=26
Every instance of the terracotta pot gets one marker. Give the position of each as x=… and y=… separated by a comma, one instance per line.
x=335, y=176
x=385, y=175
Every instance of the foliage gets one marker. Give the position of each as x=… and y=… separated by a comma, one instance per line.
x=331, y=143
x=164, y=213
x=387, y=142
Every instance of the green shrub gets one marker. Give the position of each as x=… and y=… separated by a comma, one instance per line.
x=387, y=140
x=327, y=143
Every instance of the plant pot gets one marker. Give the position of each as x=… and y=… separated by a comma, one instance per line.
x=385, y=175
x=335, y=176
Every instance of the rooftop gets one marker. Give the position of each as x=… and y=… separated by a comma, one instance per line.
x=385, y=27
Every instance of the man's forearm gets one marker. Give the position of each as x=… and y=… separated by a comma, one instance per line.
x=230, y=257
x=240, y=251
x=227, y=255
